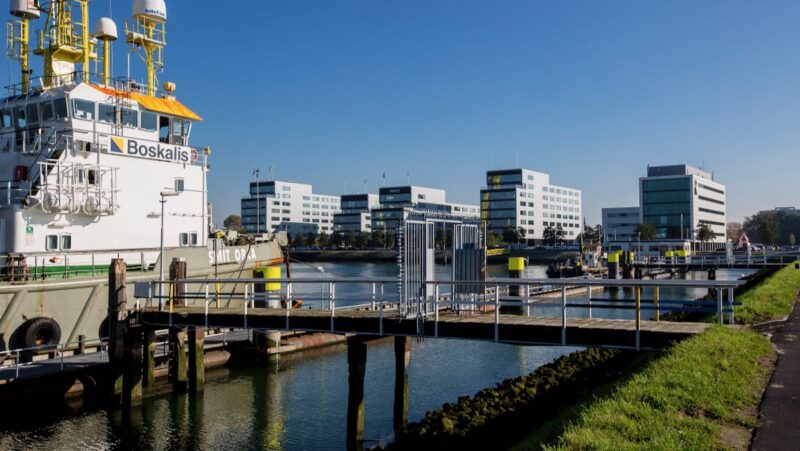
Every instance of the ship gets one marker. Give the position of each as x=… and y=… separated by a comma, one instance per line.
x=95, y=167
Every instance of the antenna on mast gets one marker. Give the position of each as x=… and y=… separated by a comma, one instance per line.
x=149, y=35
x=19, y=36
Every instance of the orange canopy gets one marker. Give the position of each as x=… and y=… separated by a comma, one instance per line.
x=159, y=105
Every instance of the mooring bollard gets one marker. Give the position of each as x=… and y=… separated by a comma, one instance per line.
x=516, y=270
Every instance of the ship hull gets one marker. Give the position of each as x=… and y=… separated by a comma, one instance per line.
x=79, y=305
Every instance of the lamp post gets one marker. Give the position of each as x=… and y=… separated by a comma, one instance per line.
x=256, y=173
x=164, y=195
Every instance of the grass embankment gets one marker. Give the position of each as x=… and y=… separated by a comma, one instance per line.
x=702, y=394
x=773, y=299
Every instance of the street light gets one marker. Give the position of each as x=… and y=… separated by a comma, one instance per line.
x=164, y=195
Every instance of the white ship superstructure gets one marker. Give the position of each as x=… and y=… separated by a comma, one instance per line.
x=88, y=161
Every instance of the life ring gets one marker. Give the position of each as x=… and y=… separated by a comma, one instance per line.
x=40, y=332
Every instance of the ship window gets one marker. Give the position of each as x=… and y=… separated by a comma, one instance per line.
x=47, y=111
x=179, y=185
x=149, y=121
x=6, y=118
x=106, y=114
x=32, y=113
x=60, y=108
x=51, y=243
x=66, y=242
x=130, y=118
x=193, y=238
x=19, y=117
x=163, y=129
x=84, y=109
x=184, y=239
x=91, y=176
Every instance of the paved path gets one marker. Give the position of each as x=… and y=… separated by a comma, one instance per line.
x=780, y=409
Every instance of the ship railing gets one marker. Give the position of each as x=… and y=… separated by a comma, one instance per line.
x=14, y=193
x=51, y=358
x=33, y=140
x=710, y=261
x=20, y=268
x=558, y=298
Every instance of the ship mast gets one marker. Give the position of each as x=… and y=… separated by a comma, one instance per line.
x=65, y=42
x=19, y=36
x=148, y=34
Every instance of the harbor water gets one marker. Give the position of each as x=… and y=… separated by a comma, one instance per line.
x=301, y=404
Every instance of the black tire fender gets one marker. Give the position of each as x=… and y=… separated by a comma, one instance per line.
x=40, y=332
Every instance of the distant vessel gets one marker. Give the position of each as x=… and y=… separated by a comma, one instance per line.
x=87, y=165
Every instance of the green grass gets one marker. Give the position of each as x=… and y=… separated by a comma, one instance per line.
x=770, y=300
x=680, y=400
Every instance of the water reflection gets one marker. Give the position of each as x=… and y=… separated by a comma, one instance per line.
x=302, y=403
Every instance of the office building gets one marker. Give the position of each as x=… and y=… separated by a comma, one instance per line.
x=275, y=205
x=397, y=202
x=676, y=200
x=525, y=199
x=619, y=224
x=355, y=214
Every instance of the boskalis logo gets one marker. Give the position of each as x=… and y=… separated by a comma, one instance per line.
x=151, y=150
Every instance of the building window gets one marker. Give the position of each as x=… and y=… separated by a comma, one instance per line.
x=51, y=243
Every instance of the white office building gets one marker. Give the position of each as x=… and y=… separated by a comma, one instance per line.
x=355, y=215
x=676, y=200
x=294, y=207
x=525, y=199
x=397, y=202
x=619, y=224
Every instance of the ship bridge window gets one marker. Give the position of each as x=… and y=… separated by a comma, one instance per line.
x=5, y=116
x=47, y=111
x=106, y=113
x=84, y=109
x=149, y=121
x=19, y=118
x=32, y=113
x=130, y=118
x=60, y=108
x=180, y=131
x=163, y=129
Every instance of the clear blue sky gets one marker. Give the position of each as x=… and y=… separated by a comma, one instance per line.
x=332, y=92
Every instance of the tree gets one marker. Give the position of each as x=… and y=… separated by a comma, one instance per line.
x=362, y=240
x=520, y=235
x=646, y=231
x=510, y=235
x=733, y=230
x=704, y=233
x=324, y=240
x=553, y=235
x=233, y=222
x=773, y=226
x=494, y=240
x=298, y=240
x=311, y=239
x=792, y=239
x=391, y=242
x=349, y=239
x=441, y=238
x=336, y=239
x=768, y=231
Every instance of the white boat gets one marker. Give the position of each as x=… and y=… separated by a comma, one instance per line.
x=88, y=164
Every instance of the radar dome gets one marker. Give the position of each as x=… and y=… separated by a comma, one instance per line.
x=25, y=9
x=105, y=29
x=150, y=9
